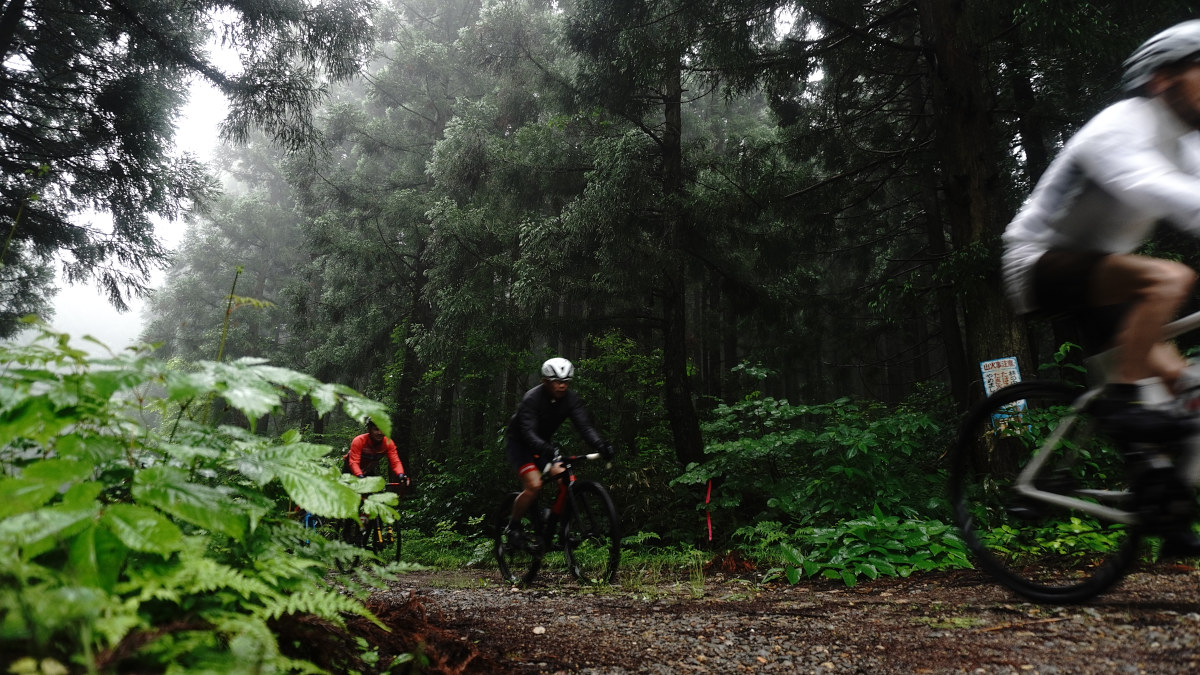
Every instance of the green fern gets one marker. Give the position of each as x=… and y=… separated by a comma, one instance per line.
x=164, y=546
x=325, y=603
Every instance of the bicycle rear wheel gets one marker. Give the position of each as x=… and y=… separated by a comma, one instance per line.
x=1046, y=552
x=592, y=534
x=517, y=561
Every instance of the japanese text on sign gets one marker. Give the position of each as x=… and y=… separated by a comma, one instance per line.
x=999, y=373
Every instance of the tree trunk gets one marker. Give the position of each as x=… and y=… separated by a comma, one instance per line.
x=964, y=142
x=681, y=409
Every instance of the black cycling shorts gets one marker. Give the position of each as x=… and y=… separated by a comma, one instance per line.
x=521, y=457
x=1061, y=284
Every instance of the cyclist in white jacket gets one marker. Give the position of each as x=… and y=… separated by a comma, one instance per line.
x=1070, y=248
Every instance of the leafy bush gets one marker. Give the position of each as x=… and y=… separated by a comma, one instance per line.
x=819, y=464
x=128, y=548
x=868, y=548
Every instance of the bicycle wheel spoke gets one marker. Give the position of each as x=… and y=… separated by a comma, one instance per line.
x=1049, y=551
x=593, y=541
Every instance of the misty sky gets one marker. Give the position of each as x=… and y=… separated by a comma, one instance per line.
x=82, y=310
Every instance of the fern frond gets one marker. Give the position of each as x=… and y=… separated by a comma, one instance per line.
x=327, y=604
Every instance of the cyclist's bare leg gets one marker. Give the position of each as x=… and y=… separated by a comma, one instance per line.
x=531, y=486
x=1155, y=289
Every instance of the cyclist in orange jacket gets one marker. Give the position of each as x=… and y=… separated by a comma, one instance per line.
x=366, y=450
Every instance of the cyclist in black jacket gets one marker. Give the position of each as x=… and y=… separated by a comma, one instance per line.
x=542, y=411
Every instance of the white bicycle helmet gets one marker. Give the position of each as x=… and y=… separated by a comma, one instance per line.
x=558, y=368
x=1170, y=46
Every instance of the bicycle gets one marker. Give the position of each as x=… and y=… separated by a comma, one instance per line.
x=582, y=523
x=1053, y=507
x=371, y=533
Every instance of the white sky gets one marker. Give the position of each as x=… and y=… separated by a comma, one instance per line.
x=82, y=309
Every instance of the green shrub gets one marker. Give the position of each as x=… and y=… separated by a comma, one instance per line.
x=820, y=464
x=126, y=548
x=872, y=547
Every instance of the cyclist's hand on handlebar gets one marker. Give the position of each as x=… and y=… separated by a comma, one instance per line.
x=403, y=479
x=607, y=451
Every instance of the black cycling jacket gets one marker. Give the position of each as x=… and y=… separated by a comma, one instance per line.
x=539, y=416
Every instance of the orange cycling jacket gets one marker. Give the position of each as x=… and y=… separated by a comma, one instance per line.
x=364, y=455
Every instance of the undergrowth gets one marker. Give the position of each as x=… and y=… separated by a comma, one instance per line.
x=127, y=545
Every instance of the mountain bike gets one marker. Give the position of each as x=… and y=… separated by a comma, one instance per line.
x=582, y=523
x=1050, y=504
x=382, y=539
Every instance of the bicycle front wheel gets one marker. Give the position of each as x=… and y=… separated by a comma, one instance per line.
x=1057, y=540
x=382, y=539
x=592, y=534
x=351, y=533
x=516, y=555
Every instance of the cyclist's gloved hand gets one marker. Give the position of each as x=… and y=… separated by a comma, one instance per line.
x=359, y=475
x=403, y=479
x=607, y=451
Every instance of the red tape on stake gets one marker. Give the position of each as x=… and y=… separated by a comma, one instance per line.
x=707, y=513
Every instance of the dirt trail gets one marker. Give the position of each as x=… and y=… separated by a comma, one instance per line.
x=935, y=623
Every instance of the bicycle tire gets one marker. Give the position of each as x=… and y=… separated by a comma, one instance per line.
x=350, y=533
x=374, y=536
x=518, y=564
x=383, y=539
x=1043, y=552
x=592, y=536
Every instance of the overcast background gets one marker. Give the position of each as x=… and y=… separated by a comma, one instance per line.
x=81, y=309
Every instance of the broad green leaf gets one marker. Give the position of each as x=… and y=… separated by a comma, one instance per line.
x=58, y=471
x=317, y=494
x=96, y=557
x=169, y=491
x=359, y=407
x=791, y=555
x=81, y=495
x=142, y=529
x=184, y=386
x=324, y=398
x=36, y=531
x=20, y=495
x=253, y=397
x=298, y=382
x=368, y=485
x=36, y=419
x=261, y=465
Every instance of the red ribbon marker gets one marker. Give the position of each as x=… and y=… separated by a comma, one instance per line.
x=707, y=513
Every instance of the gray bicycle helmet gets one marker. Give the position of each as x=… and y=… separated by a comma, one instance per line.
x=558, y=368
x=1170, y=46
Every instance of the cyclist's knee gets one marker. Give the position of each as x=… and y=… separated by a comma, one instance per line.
x=1173, y=279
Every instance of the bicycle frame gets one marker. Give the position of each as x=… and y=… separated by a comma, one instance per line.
x=564, y=478
x=1102, y=364
x=1024, y=484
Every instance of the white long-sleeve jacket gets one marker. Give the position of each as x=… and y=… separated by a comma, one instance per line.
x=1133, y=164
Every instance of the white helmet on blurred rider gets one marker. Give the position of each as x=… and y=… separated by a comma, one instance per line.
x=558, y=368
x=1175, y=44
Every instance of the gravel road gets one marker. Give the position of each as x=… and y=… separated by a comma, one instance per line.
x=934, y=623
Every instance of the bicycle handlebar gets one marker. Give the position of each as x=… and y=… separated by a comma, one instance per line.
x=560, y=459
